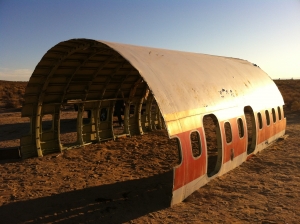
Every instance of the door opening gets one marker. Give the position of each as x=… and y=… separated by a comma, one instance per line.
x=213, y=144
x=251, y=129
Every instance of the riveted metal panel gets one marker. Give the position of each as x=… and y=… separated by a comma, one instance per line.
x=183, y=87
x=186, y=84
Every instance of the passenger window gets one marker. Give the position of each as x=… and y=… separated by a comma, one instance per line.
x=103, y=114
x=240, y=127
x=213, y=144
x=279, y=112
x=251, y=129
x=273, y=115
x=175, y=144
x=267, y=117
x=260, y=124
x=228, y=132
x=196, y=144
x=131, y=110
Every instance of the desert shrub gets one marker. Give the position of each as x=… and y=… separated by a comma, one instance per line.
x=12, y=94
x=11, y=104
x=21, y=101
x=290, y=91
x=295, y=106
x=21, y=92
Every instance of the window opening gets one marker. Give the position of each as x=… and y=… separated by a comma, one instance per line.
x=251, y=129
x=240, y=127
x=154, y=115
x=119, y=111
x=68, y=126
x=143, y=110
x=195, y=144
x=47, y=121
x=118, y=117
x=267, y=117
x=273, y=115
x=153, y=108
x=103, y=114
x=132, y=110
x=260, y=124
x=134, y=117
x=228, y=132
x=144, y=117
x=176, y=146
x=213, y=144
x=279, y=112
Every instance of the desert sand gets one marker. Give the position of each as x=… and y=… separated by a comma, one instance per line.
x=130, y=180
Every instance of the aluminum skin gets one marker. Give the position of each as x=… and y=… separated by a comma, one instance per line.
x=182, y=87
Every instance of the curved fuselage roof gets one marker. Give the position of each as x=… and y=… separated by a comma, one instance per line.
x=200, y=83
x=184, y=84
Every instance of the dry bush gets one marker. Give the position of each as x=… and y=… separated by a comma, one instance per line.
x=12, y=94
x=290, y=91
x=11, y=104
x=295, y=106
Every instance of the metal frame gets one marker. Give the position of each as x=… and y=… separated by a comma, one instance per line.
x=177, y=88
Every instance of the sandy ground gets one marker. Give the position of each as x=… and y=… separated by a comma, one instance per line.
x=130, y=181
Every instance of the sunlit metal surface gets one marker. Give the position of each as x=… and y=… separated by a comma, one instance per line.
x=162, y=89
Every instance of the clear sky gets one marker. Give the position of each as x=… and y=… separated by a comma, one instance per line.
x=264, y=32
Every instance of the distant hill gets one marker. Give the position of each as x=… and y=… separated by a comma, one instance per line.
x=290, y=90
x=12, y=94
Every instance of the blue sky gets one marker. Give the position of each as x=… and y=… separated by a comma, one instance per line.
x=265, y=32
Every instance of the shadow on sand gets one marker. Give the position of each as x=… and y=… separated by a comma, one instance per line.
x=112, y=203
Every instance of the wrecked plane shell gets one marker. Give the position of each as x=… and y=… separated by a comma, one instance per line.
x=183, y=88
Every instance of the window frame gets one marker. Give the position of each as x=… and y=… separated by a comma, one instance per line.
x=268, y=120
x=107, y=112
x=274, y=115
x=260, y=121
x=199, y=141
x=226, y=132
x=179, y=147
x=242, y=128
x=279, y=113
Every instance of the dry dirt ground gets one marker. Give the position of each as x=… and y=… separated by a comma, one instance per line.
x=130, y=181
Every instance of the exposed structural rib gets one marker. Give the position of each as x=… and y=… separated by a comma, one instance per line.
x=191, y=95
